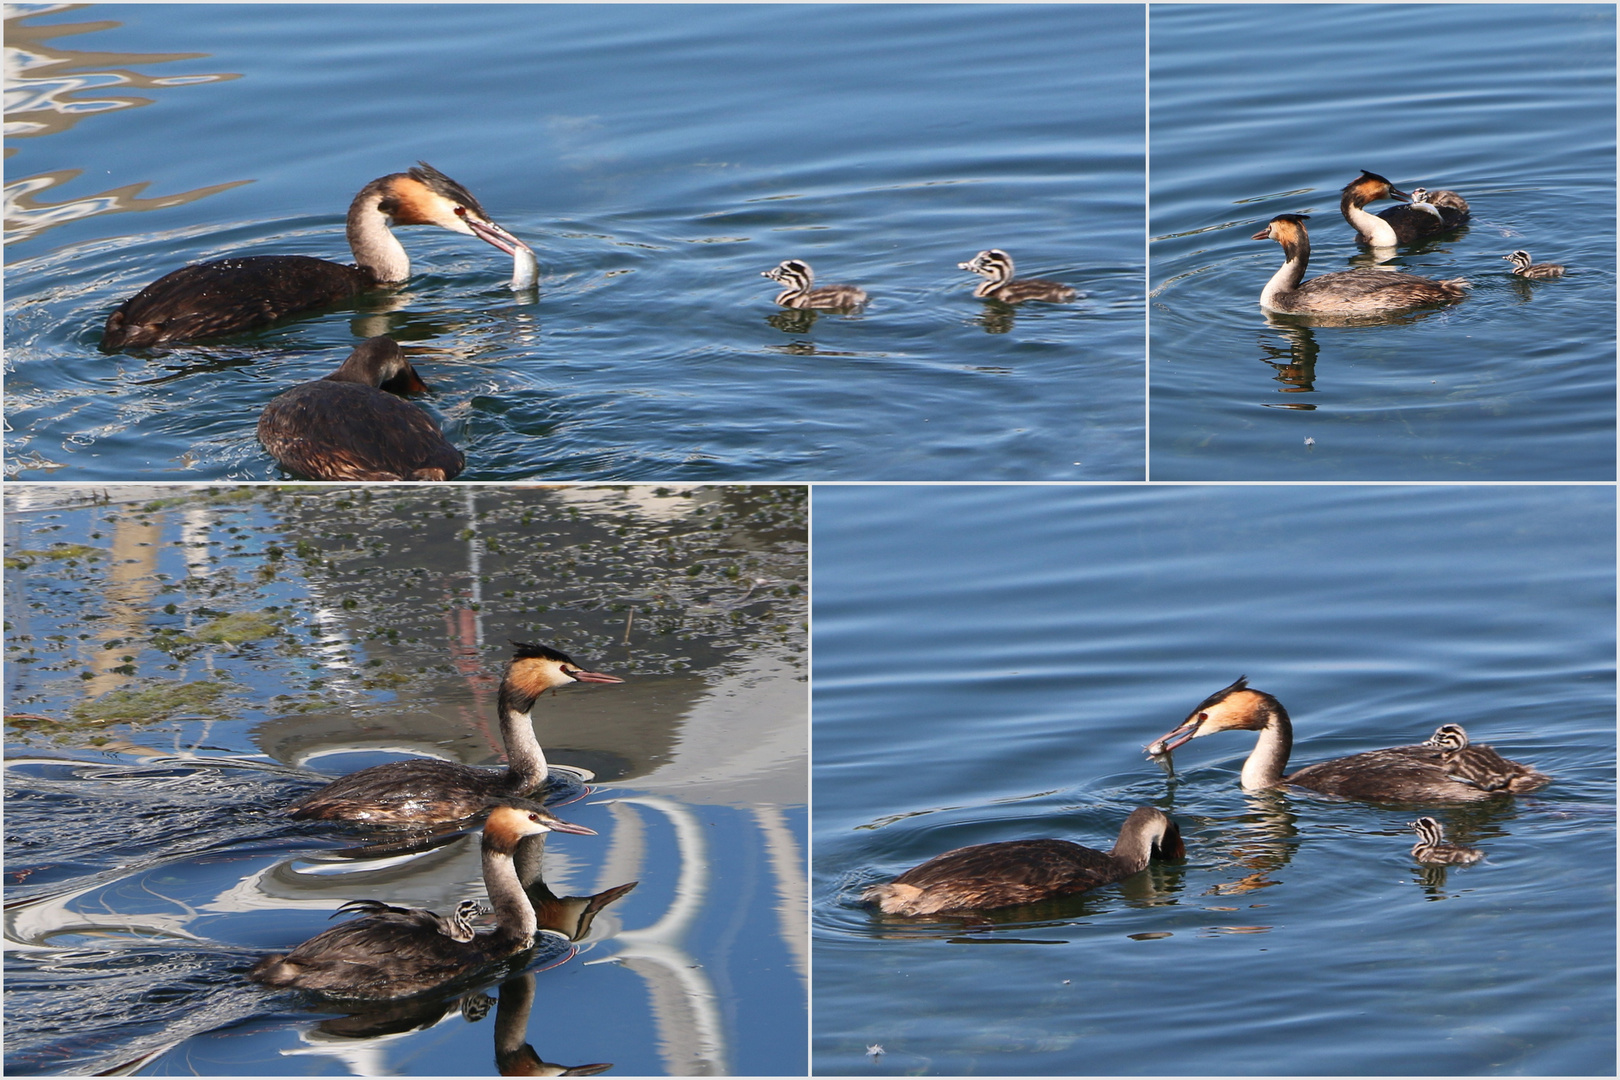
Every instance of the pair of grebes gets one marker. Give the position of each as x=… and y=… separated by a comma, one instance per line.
x=1445, y=769
x=392, y=952
x=1366, y=291
x=350, y=425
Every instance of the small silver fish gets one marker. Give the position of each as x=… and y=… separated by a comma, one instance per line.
x=525, y=268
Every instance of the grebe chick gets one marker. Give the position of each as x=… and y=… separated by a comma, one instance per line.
x=987, y=876
x=1432, y=847
x=1439, y=212
x=1523, y=267
x=1398, y=774
x=343, y=427
x=425, y=791
x=798, y=279
x=395, y=952
x=1481, y=765
x=1362, y=291
x=997, y=267
x=227, y=296
x=456, y=926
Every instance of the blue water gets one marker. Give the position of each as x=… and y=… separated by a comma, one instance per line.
x=992, y=669
x=150, y=753
x=1258, y=111
x=658, y=158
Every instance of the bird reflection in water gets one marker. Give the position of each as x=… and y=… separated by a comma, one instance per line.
x=1294, y=365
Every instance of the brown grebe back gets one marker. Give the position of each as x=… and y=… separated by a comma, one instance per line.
x=425, y=791
x=1481, y=766
x=800, y=290
x=996, y=266
x=987, y=876
x=1438, y=212
x=227, y=296
x=344, y=427
x=396, y=952
x=1523, y=267
x=1362, y=291
x=1398, y=774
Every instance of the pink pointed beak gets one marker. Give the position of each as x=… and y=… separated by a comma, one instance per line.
x=580, y=675
x=1163, y=745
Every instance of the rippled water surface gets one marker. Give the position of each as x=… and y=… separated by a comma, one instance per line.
x=181, y=664
x=1260, y=110
x=658, y=158
x=994, y=668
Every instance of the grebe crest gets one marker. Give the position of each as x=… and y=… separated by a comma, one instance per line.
x=800, y=290
x=1523, y=267
x=996, y=266
x=1362, y=291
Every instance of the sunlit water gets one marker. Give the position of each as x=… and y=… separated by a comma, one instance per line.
x=993, y=670
x=1259, y=111
x=658, y=158
x=182, y=665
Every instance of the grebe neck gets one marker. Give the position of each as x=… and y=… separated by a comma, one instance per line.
x=526, y=767
x=1269, y=758
x=1296, y=254
x=376, y=249
x=514, y=915
x=1375, y=230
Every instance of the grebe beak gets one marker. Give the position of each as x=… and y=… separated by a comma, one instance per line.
x=1397, y=193
x=557, y=824
x=491, y=233
x=580, y=675
x=1163, y=745
x=406, y=382
x=1263, y=234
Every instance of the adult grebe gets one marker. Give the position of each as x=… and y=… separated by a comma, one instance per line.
x=1432, y=847
x=1398, y=774
x=1362, y=291
x=394, y=953
x=1481, y=765
x=230, y=295
x=343, y=427
x=1523, y=267
x=1440, y=212
x=424, y=791
x=997, y=268
x=998, y=875
x=797, y=278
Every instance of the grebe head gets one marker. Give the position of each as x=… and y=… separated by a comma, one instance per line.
x=378, y=361
x=1448, y=737
x=793, y=273
x=1520, y=259
x=510, y=820
x=425, y=196
x=1163, y=834
x=994, y=263
x=1233, y=708
x=1369, y=187
x=1284, y=228
x=1429, y=830
x=534, y=669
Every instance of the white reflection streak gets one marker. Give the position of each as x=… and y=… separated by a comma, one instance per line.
x=475, y=565
x=792, y=885
x=699, y=1029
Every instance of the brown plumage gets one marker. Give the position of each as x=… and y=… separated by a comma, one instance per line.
x=1399, y=224
x=801, y=292
x=344, y=427
x=425, y=791
x=1480, y=765
x=228, y=296
x=987, y=876
x=1398, y=774
x=394, y=952
x=996, y=266
x=1432, y=847
x=1362, y=291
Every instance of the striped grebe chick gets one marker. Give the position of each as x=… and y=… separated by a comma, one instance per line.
x=1439, y=212
x=1524, y=268
x=426, y=791
x=800, y=290
x=1362, y=291
x=457, y=926
x=997, y=268
x=344, y=427
x=1432, y=847
x=998, y=875
x=1398, y=774
x=227, y=296
x=1481, y=765
x=394, y=952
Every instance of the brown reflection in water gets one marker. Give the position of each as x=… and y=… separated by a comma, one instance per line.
x=1294, y=364
x=51, y=89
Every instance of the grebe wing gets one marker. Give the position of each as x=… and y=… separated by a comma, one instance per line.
x=1397, y=774
x=1017, y=867
x=1361, y=282
x=422, y=789
x=348, y=431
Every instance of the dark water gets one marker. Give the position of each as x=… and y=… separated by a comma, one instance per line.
x=658, y=158
x=992, y=670
x=183, y=663
x=1256, y=112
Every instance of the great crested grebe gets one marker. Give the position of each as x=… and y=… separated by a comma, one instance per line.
x=1432, y=847
x=343, y=427
x=227, y=296
x=397, y=952
x=799, y=289
x=997, y=268
x=1439, y=212
x=1524, y=268
x=987, y=876
x=425, y=791
x=1362, y=291
x=1481, y=765
x=1398, y=774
